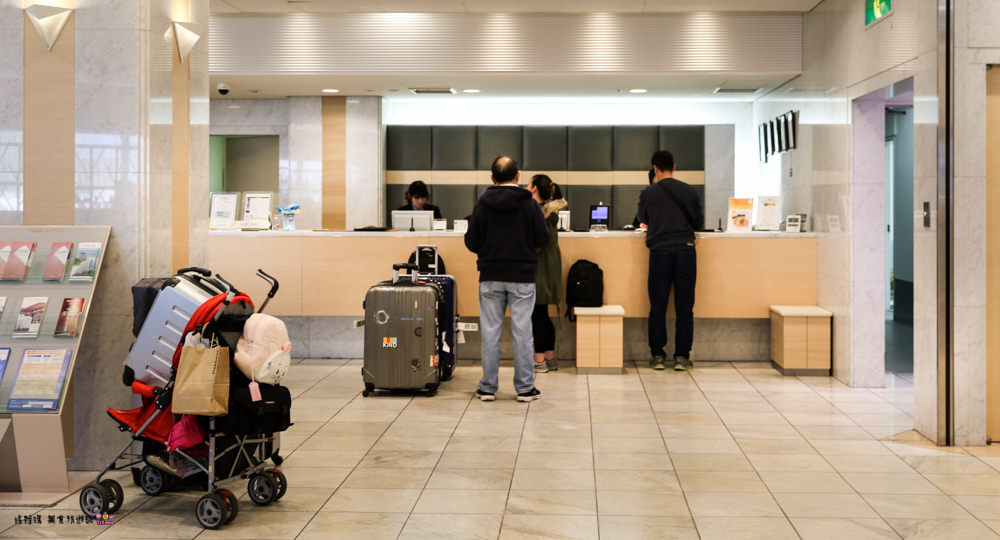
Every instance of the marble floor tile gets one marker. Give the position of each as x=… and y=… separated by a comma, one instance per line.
x=470, y=479
x=531, y=527
x=401, y=459
x=646, y=528
x=967, y=484
x=353, y=526
x=838, y=528
x=631, y=461
x=814, y=433
x=789, y=463
x=745, y=528
x=948, y=465
x=733, y=505
x=639, y=480
x=551, y=444
x=759, y=431
x=851, y=448
x=894, y=506
x=641, y=503
x=552, y=480
x=387, y=478
x=300, y=499
x=262, y=525
x=805, y=482
x=315, y=477
x=461, y=501
x=477, y=460
x=363, y=500
x=720, y=482
x=874, y=464
x=843, y=505
x=684, y=418
x=710, y=462
x=551, y=502
x=153, y=524
x=553, y=460
x=474, y=443
x=877, y=482
x=641, y=445
x=451, y=527
x=984, y=507
x=928, y=529
x=777, y=446
x=646, y=431
x=716, y=431
x=702, y=446
x=323, y=458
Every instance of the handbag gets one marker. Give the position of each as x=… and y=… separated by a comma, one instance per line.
x=202, y=384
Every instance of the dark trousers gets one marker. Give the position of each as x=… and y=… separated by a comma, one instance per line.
x=542, y=329
x=675, y=265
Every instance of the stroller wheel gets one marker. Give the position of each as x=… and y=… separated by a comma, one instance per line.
x=233, y=505
x=211, y=511
x=282, y=483
x=152, y=480
x=136, y=476
x=94, y=499
x=262, y=489
x=117, y=495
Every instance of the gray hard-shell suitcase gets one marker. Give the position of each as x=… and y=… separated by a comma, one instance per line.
x=152, y=354
x=402, y=339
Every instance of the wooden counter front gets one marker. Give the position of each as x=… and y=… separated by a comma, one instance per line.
x=328, y=274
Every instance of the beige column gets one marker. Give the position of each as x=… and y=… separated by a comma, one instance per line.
x=993, y=254
x=181, y=147
x=49, y=118
x=334, y=162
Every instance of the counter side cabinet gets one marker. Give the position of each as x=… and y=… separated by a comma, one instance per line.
x=599, y=338
x=800, y=339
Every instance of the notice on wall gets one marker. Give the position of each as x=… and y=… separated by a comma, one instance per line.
x=40, y=379
x=740, y=214
x=768, y=213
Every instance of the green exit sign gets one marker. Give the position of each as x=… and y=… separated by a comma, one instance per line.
x=876, y=10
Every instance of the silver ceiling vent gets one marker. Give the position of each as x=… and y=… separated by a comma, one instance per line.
x=721, y=90
x=432, y=90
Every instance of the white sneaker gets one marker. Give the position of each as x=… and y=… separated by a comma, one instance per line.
x=541, y=367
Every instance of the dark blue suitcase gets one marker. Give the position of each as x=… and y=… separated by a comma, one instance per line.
x=448, y=322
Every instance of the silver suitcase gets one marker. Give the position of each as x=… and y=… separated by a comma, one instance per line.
x=152, y=354
x=402, y=340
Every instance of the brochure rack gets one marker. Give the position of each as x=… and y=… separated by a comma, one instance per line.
x=36, y=426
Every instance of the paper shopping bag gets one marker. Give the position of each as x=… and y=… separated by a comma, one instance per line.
x=202, y=385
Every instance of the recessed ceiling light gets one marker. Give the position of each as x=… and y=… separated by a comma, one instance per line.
x=232, y=106
x=637, y=91
x=330, y=90
x=471, y=91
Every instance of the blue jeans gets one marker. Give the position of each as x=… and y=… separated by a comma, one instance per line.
x=494, y=298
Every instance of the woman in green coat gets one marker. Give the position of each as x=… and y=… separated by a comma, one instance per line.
x=548, y=277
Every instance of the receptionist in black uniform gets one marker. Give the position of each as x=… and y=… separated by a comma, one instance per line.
x=416, y=197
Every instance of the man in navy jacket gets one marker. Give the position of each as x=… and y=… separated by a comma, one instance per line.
x=505, y=230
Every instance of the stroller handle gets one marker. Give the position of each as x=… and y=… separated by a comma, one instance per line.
x=274, y=288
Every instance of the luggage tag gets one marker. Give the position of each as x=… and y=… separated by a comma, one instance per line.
x=255, y=392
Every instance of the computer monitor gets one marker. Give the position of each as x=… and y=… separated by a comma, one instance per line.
x=600, y=217
x=417, y=220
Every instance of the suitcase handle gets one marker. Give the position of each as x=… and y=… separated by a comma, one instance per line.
x=197, y=269
x=403, y=266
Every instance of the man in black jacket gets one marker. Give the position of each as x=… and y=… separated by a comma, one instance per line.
x=672, y=213
x=505, y=229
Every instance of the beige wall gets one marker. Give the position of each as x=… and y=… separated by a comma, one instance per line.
x=993, y=254
x=252, y=163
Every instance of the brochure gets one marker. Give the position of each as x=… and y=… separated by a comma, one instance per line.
x=18, y=264
x=29, y=319
x=55, y=269
x=69, y=316
x=768, y=213
x=740, y=214
x=85, y=261
x=5, y=248
x=4, y=356
x=40, y=380
x=3, y=302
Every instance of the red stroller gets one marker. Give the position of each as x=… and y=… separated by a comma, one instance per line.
x=238, y=444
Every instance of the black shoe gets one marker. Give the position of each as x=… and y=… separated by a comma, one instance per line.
x=682, y=363
x=657, y=362
x=530, y=395
x=485, y=396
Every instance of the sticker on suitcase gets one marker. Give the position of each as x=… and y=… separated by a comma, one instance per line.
x=390, y=343
x=434, y=360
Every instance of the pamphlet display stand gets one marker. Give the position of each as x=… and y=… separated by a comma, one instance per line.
x=43, y=314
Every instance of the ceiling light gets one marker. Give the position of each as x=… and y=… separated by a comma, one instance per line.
x=432, y=90
x=471, y=91
x=637, y=91
x=330, y=90
x=232, y=106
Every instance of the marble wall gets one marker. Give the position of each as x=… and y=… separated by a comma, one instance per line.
x=11, y=111
x=364, y=146
x=298, y=123
x=842, y=62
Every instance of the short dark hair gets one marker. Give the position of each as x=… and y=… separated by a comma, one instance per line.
x=504, y=169
x=544, y=185
x=417, y=190
x=652, y=175
x=663, y=160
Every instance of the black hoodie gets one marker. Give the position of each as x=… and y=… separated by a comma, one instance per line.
x=505, y=229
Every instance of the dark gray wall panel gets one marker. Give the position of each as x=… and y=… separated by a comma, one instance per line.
x=580, y=198
x=455, y=201
x=408, y=148
x=687, y=144
x=453, y=148
x=496, y=141
x=701, y=197
x=625, y=202
x=589, y=148
x=544, y=148
x=633, y=146
x=394, y=198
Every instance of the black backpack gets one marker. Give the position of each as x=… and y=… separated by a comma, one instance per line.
x=584, y=287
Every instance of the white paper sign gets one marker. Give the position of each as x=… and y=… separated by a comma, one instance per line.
x=257, y=206
x=223, y=212
x=768, y=213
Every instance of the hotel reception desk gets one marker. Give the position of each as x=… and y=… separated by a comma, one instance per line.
x=327, y=273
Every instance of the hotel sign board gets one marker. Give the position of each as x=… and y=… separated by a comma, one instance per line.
x=876, y=10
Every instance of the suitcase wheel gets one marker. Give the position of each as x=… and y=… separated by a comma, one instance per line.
x=369, y=388
x=432, y=390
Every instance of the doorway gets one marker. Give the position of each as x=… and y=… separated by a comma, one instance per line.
x=899, y=234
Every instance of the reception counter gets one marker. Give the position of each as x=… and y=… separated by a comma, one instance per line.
x=327, y=273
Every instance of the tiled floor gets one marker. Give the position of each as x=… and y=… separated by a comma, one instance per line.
x=730, y=451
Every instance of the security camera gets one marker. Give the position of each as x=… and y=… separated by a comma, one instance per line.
x=223, y=89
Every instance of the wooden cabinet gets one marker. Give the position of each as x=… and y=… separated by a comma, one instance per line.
x=800, y=339
x=599, y=339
